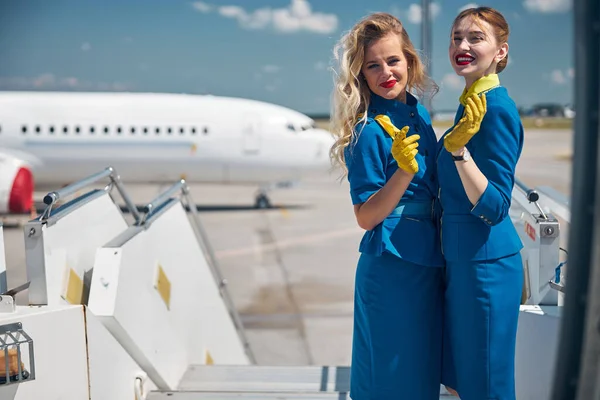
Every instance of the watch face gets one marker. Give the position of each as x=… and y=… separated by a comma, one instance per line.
x=466, y=155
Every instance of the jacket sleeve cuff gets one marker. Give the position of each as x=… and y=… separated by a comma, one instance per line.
x=488, y=208
x=360, y=196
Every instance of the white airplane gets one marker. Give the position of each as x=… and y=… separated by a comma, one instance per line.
x=55, y=138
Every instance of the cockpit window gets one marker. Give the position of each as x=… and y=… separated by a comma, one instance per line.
x=303, y=127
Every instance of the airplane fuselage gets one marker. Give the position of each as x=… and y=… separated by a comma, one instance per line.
x=160, y=137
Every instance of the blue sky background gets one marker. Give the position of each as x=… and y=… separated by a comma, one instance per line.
x=273, y=50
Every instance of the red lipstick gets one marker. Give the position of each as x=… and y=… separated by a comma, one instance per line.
x=464, y=59
x=388, y=84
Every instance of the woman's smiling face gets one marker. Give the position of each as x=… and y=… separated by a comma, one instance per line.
x=386, y=68
x=474, y=51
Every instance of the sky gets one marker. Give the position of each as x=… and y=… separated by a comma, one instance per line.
x=278, y=51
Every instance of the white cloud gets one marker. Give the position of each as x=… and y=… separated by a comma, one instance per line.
x=467, y=6
x=548, y=6
x=202, y=6
x=271, y=69
x=49, y=81
x=453, y=81
x=86, y=46
x=558, y=77
x=414, y=12
x=320, y=66
x=298, y=16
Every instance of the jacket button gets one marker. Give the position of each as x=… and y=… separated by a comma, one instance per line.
x=412, y=114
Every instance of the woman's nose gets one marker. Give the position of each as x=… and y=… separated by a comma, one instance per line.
x=386, y=70
x=463, y=44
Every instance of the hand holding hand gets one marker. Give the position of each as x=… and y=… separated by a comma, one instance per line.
x=468, y=125
x=404, y=149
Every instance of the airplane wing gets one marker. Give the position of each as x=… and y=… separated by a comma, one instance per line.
x=16, y=181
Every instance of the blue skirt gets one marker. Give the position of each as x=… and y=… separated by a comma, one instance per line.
x=397, y=340
x=480, y=327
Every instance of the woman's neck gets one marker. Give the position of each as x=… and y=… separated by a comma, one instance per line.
x=402, y=97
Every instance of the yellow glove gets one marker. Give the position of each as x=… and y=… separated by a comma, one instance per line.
x=468, y=125
x=404, y=149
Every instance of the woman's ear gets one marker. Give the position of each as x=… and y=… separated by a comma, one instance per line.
x=502, y=52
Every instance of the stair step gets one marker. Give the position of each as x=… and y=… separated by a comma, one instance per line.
x=255, y=396
x=255, y=378
x=245, y=396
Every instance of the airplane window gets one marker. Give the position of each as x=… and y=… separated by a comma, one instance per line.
x=65, y=129
x=133, y=130
x=92, y=130
x=106, y=130
x=118, y=130
x=51, y=130
x=157, y=130
x=23, y=129
x=169, y=131
x=38, y=129
x=181, y=131
x=77, y=130
x=193, y=131
x=145, y=130
x=205, y=130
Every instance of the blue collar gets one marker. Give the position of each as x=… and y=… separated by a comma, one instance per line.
x=379, y=105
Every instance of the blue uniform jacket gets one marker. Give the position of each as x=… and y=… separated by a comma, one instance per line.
x=483, y=231
x=370, y=165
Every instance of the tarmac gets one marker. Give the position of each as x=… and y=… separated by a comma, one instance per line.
x=290, y=269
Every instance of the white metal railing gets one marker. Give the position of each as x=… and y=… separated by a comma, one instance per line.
x=541, y=216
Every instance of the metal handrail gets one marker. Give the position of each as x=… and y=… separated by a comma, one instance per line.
x=53, y=197
x=559, y=203
x=182, y=188
x=532, y=195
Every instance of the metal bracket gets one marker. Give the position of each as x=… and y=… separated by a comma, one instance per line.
x=549, y=226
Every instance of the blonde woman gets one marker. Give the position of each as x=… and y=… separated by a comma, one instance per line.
x=387, y=146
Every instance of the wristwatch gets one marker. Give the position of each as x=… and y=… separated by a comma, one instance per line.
x=466, y=156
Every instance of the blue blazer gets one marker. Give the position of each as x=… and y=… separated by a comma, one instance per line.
x=482, y=231
x=411, y=236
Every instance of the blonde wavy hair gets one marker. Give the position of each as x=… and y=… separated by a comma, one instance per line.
x=351, y=93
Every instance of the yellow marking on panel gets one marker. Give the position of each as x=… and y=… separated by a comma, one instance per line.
x=163, y=285
x=285, y=213
x=209, y=359
x=74, y=288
